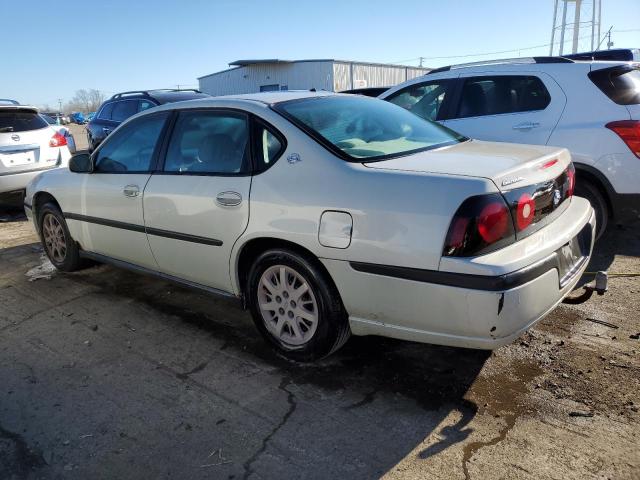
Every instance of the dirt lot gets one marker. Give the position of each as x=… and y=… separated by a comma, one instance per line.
x=106, y=374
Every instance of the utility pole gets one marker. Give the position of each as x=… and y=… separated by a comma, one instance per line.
x=609, y=43
x=60, y=105
x=421, y=59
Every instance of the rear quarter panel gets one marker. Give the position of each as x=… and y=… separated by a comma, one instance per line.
x=399, y=218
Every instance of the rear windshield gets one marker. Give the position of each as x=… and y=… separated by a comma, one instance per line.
x=20, y=121
x=620, y=84
x=359, y=128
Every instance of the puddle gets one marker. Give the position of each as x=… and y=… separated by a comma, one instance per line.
x=44, y=271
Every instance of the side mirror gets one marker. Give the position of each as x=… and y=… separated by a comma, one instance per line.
x=81, y=163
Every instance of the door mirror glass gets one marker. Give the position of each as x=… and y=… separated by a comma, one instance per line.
x=81, y=163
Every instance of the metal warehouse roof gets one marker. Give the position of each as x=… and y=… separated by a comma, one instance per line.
x=245, y=63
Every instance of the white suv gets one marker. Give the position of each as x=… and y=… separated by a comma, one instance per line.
x=591, y=108
x=28, y=146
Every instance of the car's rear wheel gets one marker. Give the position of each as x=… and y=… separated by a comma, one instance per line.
x=588, y=190
x=58, y=244
x=295, y=306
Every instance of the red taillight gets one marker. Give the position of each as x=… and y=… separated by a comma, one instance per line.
x=493, y=222
x=525, y=211
x=481, y=224
x=629, y=132
x=549, y=164
x=58, y=140
x=571, y=175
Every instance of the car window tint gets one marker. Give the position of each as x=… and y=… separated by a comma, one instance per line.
x=145, y=104
x=620, y=83
x=20, y=121
x=106, y=111
x=502, y=94
x=208, y=142
x=130, y=149
x=123, y=110
x=425, y=100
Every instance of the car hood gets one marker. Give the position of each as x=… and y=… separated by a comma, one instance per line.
x=508, y=165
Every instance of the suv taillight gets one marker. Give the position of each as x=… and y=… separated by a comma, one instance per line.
x=629, y=132
x=481, y=224
x=58, y=140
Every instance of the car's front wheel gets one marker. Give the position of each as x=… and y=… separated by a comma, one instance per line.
x=61, y=249
x=295, y=306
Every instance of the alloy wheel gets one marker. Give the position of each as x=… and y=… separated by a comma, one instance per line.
x=287, y=304
x=54, y=238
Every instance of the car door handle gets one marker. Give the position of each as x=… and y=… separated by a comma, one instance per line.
x=526, y=126
x=106, y=131
x=131, y=191
x=229, y=199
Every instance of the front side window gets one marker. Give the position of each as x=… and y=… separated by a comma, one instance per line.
x=130, y=149
x=206, y=141
x=502, y=94
x=424, y=100
x=361, y=128
x=124, y=109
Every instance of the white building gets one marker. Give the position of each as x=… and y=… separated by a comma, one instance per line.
x=250, y=76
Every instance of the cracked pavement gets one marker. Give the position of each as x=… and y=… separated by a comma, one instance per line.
x=108, y=374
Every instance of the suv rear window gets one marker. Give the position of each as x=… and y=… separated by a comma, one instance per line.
x=621, y=84
x=20, y=121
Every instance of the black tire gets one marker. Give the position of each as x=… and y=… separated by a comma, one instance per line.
x=49, y=214
x=588, y=190
x=332, y=328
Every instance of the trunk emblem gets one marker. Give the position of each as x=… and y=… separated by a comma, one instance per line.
x=556, y=197
x=511, y=181
x=15, y=138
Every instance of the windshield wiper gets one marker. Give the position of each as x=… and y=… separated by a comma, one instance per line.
x=6, y=129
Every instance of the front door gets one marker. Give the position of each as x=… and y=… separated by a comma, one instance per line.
x=198, y=205
x=110, y=216
x=522, y=108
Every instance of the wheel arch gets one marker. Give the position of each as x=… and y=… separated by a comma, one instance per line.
x=597, y=179
x=251, y=249
x=39, y=200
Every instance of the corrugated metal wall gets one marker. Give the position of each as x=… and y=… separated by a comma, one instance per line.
x=322, y=75
x=249, y=79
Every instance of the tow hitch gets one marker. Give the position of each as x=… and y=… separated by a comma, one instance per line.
x=599, y=285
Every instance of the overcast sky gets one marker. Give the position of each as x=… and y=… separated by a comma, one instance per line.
x=53, y=49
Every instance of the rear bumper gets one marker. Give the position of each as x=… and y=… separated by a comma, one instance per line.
x=485, y=316
x=11, y=182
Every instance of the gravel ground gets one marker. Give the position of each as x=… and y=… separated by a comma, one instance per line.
x=107, y=374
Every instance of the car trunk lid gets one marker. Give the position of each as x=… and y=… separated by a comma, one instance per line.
x=508, y=165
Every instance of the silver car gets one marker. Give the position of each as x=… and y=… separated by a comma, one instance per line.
x=327, y=215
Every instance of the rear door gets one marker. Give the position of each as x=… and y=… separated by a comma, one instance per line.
x=198, y=205
x=519, y=108
x=110, y=208
x=24, y=141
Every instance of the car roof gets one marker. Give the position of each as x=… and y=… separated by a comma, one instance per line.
x=19, y=107
x=271, y=98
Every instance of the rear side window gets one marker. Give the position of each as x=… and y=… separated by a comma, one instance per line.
x=106, y=111
x=620, y=84
x=20, y=121
x=209, y=142
x=425, y=99
x=502, y=94
x=145, y=104
x=269, y=145
x=123, y=110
